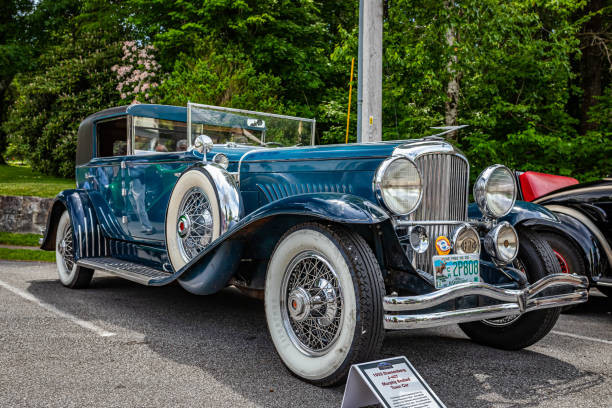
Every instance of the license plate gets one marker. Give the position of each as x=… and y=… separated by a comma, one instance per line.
x=454, y=269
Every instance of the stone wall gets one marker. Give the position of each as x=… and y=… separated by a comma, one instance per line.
x=24, y=214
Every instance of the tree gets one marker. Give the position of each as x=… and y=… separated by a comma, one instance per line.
x=71, y=79
x=15, y=54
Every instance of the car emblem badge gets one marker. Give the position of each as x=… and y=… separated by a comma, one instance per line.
x=183, y=226
x=443, y=245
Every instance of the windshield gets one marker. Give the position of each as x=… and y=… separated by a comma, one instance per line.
x=227, y=125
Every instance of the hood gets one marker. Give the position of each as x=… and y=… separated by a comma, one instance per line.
x=344, y=151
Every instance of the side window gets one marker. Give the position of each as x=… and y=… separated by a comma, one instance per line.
x=111, y=137
x=159, y=135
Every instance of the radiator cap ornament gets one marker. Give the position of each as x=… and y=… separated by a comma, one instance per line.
x=443, y=245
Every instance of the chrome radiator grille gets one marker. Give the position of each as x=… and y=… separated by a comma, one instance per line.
x=445, y=195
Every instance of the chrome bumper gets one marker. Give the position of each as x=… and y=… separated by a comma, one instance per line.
x=515, y=301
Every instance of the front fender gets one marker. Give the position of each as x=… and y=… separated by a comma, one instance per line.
x=87, y=236
x=523, y=212
x=335, y=207
x=212, y=268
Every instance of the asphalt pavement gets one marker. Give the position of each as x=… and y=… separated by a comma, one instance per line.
x=125, y=345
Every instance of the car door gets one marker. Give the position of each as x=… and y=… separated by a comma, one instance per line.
x=159, y=157
x=104, y=175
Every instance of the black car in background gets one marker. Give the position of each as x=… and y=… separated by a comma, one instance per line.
x=582, y=241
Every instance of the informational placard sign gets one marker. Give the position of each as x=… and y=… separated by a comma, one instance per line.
x=393, y=383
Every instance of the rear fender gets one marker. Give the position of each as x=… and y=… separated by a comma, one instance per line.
x=87, y=234
x=587, y=244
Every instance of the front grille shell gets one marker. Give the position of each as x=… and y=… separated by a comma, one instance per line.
x=445, y=177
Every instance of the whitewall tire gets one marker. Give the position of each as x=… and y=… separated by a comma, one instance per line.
x=321, y=281
x=193, y=218
x=70, y=274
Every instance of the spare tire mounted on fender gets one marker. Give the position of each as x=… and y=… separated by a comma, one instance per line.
x=195, y=216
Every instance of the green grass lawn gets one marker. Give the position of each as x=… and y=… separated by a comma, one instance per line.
x=22, y=180
x=11, y=238
x=27, y=255
x=30, y=240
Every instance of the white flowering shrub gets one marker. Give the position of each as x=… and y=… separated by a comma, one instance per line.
x=138, y=73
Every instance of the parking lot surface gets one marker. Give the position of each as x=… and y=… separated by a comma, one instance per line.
x=122, y=344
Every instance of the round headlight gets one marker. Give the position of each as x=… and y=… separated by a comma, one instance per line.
x=466, y=240
x=221, y=160
x=398, y=185
x=502, y=243
x=495, y=191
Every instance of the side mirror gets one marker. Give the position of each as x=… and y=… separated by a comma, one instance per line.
x=203, y=144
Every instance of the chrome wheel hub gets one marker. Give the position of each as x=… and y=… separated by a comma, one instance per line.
x=311, y=303
x=184, y=225
x=299, y=304
x=195, y=223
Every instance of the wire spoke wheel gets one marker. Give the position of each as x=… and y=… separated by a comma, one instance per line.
x=311, y=303
x=506, y=320
x=65, y=248
x=70, y=273
x=195, y=223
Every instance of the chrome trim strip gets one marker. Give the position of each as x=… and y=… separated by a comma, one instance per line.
x=517, y=301
x=588, y=223
x=99, y=241
x=606, y=284
x=572, y=192
x=80, y=242
x=86, y=237
x=93, y=238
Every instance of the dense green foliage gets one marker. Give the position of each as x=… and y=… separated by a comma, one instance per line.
x=534, y=77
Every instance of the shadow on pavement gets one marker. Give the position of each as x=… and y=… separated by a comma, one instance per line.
x=226, y=336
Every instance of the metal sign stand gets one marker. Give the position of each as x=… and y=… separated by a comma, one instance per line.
x=393, y=383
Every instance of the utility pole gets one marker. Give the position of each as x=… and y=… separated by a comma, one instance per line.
x=369, y=71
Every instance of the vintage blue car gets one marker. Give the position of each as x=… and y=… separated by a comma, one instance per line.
x=341, y=242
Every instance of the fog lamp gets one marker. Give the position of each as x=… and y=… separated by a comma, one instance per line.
x=419, y=241
x=502, y=243
x=466, y=240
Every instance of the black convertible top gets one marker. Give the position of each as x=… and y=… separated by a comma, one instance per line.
x=85, y=135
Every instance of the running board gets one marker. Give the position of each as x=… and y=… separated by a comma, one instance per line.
x=127, y=270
